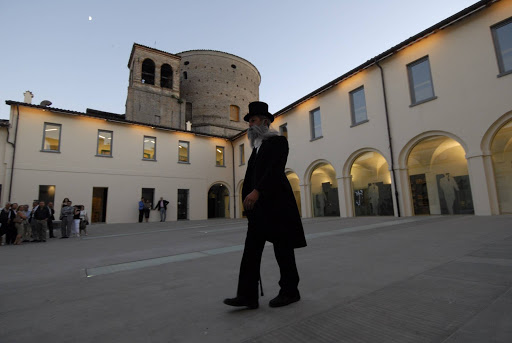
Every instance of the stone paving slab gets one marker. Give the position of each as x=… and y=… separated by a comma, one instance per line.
x=362, y=279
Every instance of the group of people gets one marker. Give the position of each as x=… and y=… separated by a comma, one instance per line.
x=20, y=224
x=145, y=209
x=74, y=219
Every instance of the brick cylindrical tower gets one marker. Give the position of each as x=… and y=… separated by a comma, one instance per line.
x=217, y=88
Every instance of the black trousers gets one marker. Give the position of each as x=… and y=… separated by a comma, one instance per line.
x=250, y=267
x=141, y=215
x=50, y=227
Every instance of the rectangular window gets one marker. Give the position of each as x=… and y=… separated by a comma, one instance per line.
x=148, y=194
x=46, y=193
x=219, y=156
x=358, y=106
x=157, y=120
x=420, y=81
x=104, y=143
x=149, y=148
x=502, y=35
x=242, y=154
x=51, y=137
x=283, y=130
x=183, y=152
x=316, y=124
x=234, y=113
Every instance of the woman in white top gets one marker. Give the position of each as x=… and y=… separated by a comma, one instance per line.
x=84, y=220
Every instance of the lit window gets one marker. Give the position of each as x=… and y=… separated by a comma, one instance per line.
x=46, y=193
x=316, y=124
x=358, y=106
x=283, y=130
x=166, y=76
x=149, y=148
x=183, y=152
x=242, y=154
x=234, y=113
x=51, y=137
x=420, y=81
x=219, y=156
x=148, y=72
x=104, y=143
x=502, y=34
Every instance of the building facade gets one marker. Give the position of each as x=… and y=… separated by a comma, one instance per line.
x=423, y=128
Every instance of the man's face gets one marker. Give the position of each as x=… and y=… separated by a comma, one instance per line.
x=41, y=203
x=14, y=206
x=7, y=205
x=255, y=120
x=50, y=204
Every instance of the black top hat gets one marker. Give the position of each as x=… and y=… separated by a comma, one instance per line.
x=258, y=108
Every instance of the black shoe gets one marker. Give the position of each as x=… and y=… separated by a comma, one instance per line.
x=25, y=241
x=241, y=302
x=43, y=240
x=283, y=300
x=35, y=240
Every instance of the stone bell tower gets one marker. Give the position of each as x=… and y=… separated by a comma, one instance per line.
x=154, y=88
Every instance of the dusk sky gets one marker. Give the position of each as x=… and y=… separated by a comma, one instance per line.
x=75, y=53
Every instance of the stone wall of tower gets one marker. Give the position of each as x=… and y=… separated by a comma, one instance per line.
x=154, y=104
x=212, y=81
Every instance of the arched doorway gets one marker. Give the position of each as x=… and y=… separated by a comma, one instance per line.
x=371, y=184
x=501, y=152
x=218, y=201
x=324, y=191
x=438, y=176
x=293, y=178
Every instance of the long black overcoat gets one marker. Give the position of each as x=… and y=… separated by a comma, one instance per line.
x=275, y=215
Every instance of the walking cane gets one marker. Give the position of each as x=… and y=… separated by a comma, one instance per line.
x=261, y=286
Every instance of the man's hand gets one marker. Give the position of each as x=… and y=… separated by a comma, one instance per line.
x=251, y=199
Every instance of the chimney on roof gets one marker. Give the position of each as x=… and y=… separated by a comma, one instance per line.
x=28, y=97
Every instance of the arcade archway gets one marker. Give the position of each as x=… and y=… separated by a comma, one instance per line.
x=371, y=185
x=293, y=178
x=501, y=152
x=438, y=176
x=324, y=191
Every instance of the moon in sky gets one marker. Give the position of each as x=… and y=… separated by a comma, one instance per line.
x=90, y=18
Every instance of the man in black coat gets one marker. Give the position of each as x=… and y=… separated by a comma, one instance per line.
x=272, y=212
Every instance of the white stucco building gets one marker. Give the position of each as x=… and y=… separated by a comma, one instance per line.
x=423, y=128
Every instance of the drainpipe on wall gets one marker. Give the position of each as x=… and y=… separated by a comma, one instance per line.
x=389, y=135
x=234, y=185
x=14, y=150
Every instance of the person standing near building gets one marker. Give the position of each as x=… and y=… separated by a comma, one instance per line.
x=4, y=220
x=10, y=236
x=147, y=210
x=162, y=206
x=141, y=209
x=51, y=219
x=272, y=213
x=41, y=216
x=66, y=215
x=84, y=220
x=32, y=222
x=75, y=228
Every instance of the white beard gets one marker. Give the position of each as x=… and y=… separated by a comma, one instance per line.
x=260, y=132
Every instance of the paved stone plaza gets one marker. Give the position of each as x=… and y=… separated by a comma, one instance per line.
x=419, y=279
